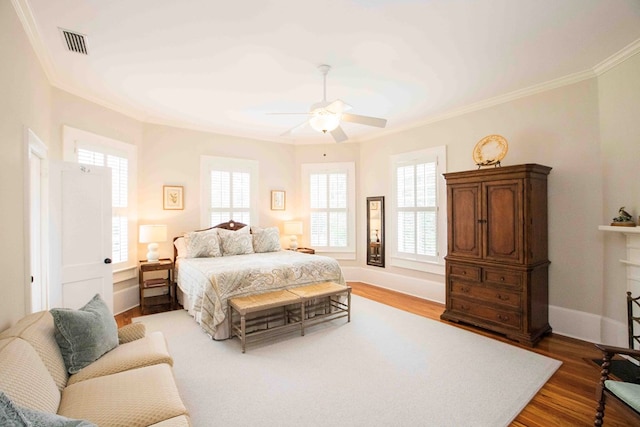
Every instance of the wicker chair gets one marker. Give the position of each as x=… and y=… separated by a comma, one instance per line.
x=624, y=395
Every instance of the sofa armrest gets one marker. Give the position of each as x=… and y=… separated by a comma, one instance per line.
x=131, y=332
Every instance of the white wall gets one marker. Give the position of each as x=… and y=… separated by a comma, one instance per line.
x=556, y=128
x=588, y=132
x=619, y=102
x=171, y=156
x=25, y=102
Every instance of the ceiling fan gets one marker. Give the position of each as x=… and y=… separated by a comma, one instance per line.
x=326, y=116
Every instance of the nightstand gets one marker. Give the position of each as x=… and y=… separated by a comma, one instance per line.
x=155, y=282
x=306, y=250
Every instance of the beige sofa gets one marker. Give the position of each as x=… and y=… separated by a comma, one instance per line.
x=131, y=385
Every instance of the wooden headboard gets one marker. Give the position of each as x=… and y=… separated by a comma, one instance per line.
x=229, y=225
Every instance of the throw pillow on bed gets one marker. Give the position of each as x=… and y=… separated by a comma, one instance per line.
x=236, y=242
x=86, y=334
x=203, y=244
x=266, y=239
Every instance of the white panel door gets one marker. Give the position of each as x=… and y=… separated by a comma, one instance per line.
x=81, y=241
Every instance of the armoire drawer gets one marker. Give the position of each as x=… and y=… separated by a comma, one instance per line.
x=505, y=317
x=503, y=277
x=468, y=272
x=486, y=293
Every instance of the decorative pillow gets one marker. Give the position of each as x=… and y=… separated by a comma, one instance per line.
x=236, y=242
x=181, y=247
x=266, y=239
x=203, y=244
x=16, y=416
x=86, y=334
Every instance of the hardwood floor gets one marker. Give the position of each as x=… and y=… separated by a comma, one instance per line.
x=568, y=398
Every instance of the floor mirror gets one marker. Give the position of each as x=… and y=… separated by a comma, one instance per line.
x=375, y=231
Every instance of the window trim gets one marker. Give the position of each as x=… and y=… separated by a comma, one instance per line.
x=74, y=138
x=229, y=164
x=414, y=263
x=348, y=252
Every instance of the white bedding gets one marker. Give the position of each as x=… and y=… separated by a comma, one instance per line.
x=207, y=283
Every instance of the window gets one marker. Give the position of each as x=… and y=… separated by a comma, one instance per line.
x=329, y=190
x=229, y=190
x=90, y=149
x=418, y=222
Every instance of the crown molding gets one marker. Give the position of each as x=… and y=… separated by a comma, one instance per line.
x=23, y=10
x=617, y=58
x=500, y=99
x=25, y=16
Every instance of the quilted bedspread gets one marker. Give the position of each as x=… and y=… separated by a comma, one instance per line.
x=209, y=282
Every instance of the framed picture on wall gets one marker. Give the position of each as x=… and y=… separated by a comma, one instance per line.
x=172, y=197
x=277, y=200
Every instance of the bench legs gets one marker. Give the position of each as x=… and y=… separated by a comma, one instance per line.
x=322, y=308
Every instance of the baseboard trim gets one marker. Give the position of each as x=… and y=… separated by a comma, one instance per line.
x=564, y=321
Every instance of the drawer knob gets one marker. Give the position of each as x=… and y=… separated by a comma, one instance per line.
x=503, y=297
x=465, y=289
x=503, y=318
x=502, y=278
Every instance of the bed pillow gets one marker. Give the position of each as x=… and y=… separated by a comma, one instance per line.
x=181, y=247
x=13, y=415
x=86, y=334
x=266, y=239
x=236, y=242
x=203, y=244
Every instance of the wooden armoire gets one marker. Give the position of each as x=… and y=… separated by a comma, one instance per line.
x=497, y=262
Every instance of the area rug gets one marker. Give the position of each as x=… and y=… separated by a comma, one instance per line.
x=387, y=367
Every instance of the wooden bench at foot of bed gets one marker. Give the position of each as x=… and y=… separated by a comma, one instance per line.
x=283, y=310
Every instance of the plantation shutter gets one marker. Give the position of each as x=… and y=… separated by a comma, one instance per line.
x=416, y=209
x=328, y=195
x=230, y=197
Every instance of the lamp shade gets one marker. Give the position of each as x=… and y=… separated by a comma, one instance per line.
x=293, y=227
x=153, y=233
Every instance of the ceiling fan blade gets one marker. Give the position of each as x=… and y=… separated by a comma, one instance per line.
x=339, y=135
x=338, y=106
x=295, y=128
x=364, y=120
x=275, y=114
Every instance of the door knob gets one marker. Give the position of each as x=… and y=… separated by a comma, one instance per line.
x=107, y=260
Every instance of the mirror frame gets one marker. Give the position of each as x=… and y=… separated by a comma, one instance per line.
x=375, y=237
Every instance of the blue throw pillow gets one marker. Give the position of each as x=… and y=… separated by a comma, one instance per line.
x=86, y=334
x=16, y=416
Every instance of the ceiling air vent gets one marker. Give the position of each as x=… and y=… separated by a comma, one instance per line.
x=76, y=42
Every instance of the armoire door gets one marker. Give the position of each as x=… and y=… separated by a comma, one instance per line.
x=464, y=222
x=503, y=221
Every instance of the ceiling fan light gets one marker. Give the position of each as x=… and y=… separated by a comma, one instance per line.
x=324, y=121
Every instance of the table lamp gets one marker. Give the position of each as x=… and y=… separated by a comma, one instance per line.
x=152, y=234
x=293, y=228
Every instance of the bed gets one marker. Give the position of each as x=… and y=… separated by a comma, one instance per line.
x=228, y=260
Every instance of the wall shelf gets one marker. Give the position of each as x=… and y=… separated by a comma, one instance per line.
x=632, y=261
x=625, y=230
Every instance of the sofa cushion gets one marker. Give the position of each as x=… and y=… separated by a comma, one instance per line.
x=181, y=421
x=131, y=332
x=38, y=330
x=13, y=415
x=86, y=334
x=138, y=397
x=24, y=377
x=146, y=351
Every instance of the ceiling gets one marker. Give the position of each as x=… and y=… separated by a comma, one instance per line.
x=221, y=66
